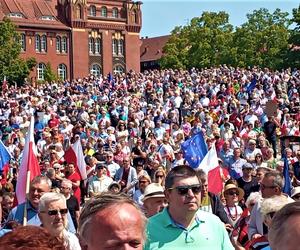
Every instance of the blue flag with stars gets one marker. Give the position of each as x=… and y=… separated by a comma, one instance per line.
x=287, y=180
x=5, y=157
x=194, y=150
x=252, y=85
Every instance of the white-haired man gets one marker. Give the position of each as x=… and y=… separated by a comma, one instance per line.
x=53, y=215
x=72, y=202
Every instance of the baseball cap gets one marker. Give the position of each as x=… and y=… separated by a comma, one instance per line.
x=247, y=165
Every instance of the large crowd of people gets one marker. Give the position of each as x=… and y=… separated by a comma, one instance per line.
x=140, y=191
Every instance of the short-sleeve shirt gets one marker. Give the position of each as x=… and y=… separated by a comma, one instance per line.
x=74, y=178
x=207, y=232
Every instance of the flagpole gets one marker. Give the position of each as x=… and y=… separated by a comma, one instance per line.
x=27, y=192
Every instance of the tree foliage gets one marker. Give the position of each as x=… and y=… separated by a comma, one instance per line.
x=210, y=40
x=49, y=74
x=204, y=42
x=293, y=53
x=11, y=65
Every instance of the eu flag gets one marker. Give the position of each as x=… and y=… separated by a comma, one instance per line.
x=194, y=150
x=252, y=85
x=287, y=180
x=109, y=77
x=5, y=157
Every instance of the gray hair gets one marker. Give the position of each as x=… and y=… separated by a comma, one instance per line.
x=50, y=172
x=40, y=178
x=273, y=204
x=254, y=196
x=278, y=178
x=67, y=182
x=101, y=202
x=279, y=228
x=47, y=198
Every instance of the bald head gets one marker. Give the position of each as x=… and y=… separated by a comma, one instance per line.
x=112, y=221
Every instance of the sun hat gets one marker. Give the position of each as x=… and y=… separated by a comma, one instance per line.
x=295, y=191
x=232, y=186
x=153, y=190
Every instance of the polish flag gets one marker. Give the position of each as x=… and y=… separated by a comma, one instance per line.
x=74, y=154
x=29, y=166
x=216, y=175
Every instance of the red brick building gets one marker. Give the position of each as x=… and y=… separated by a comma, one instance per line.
x=78, y=37
x=152, y=51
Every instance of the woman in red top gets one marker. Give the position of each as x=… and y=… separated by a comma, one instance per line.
x=74, y=177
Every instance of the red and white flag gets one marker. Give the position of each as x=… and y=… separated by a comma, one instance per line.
x=4, y=84
x=74, y=154
x=29, y=164
x=215, y=174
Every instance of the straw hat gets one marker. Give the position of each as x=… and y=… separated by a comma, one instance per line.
x=232, y=186
x=153, y=190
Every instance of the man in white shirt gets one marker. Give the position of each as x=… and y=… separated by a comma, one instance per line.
x=111, y=165
x=100, y=182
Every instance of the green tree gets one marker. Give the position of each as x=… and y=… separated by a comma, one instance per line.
x=204, y=42
x=293, y=53
x=49, y=74
x=262, y=40
x=11, y=65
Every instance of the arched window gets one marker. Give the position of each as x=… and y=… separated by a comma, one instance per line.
x=37, y=43
x=41, y=71
x=97, y=46
x=120, y=47
x=23, y=42
x=64, y=44
x=115, y=13
x=134, y=16
x=78, y=12
x=115, y=46
x=58, y=44
x=43, y=43
x=118, y=69
x=91, y=45
x=104, y=11
x=62, y=71
x=95, y=70
x=92, y=10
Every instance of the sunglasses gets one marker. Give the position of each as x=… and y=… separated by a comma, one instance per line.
x=233, y=193
x=62, y=211
x=183, y=190
x=159, y=176
x=296, y=197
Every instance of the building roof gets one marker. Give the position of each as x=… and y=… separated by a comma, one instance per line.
x=151, y=49
x=32, y=13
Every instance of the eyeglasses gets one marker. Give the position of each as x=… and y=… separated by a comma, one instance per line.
x=233, y=193
x=296, y=197
x=183, y=190
x=62, y=211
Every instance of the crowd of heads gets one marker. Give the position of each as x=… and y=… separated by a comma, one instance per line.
x=131, y=128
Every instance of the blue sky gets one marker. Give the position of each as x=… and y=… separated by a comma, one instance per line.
x=161, y=16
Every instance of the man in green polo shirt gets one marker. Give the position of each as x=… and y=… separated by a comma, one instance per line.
x=182, y=225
